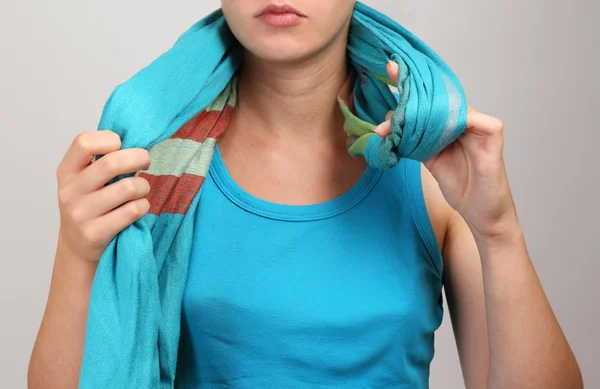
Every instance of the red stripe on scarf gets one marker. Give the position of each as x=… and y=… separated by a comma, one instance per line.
x=207, y=124
x=172, y=194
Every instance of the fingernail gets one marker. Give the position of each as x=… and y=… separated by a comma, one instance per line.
x=380, y=129
x=394, y=64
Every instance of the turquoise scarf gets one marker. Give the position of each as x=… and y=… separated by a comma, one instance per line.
x=177, y=107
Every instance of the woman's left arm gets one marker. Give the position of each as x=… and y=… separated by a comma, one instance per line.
x=526, y=347
x=489, y=275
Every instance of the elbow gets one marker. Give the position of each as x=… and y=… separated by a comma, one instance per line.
x=43, y=375
x=35, y=376
x=578, y=382
x=576, y=374
x=33, y=381
x=572, y=377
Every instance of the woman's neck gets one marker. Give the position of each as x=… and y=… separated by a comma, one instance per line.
x=286, y=141
x=294, y=101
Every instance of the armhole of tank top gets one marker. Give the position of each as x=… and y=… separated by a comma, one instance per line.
x=418, y=207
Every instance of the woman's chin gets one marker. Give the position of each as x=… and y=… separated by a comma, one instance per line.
x=284, y=54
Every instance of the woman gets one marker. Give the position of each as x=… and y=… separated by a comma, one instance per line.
x=292, y=297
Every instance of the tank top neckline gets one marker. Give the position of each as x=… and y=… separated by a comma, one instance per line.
x=286, y=212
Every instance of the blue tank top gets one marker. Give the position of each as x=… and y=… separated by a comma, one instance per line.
x=341, y=294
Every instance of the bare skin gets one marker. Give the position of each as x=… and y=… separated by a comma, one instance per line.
x=505, y=330
x=294, y=152
x=91, y=214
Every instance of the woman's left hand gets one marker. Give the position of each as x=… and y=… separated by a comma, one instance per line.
x=471, y=173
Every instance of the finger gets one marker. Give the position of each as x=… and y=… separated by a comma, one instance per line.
x=470, y=109
x=96, y=175
x=115, y=221
x=392, y=70
x=100, y=202
x=481, y=124
x=388, y=115
x=384, y=129
x=83, y=148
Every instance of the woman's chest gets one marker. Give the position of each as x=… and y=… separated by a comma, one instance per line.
x=340, y=289
x=349, y=271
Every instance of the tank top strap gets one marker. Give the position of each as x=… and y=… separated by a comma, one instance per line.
x=416, y=199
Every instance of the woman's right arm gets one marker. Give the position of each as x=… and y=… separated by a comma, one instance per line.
x=91, y=214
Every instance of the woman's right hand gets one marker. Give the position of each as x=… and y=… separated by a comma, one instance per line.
x=91, y=212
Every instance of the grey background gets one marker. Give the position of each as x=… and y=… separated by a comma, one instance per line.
x=532, y=63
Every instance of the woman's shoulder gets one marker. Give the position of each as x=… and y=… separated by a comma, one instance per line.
x=423, y=193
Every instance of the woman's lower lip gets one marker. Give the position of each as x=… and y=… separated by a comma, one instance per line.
x=287, y=19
